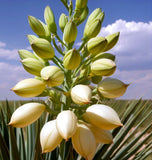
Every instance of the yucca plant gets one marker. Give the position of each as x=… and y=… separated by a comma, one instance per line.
x=133, y=141
x=74, y=122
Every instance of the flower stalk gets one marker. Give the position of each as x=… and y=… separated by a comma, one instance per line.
x=67, y=82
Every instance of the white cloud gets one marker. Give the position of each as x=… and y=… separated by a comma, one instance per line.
x=10, y=75
x=9, y=54
x=133, y=55
x=134, y=49
x=2, y=44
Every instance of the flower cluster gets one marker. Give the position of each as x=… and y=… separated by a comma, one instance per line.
x=75, y=83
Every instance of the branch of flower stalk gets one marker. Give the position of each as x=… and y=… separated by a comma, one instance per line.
x=56, y=35
x=57, y=48
x=60, y=61
x=65, y=4
x=79, y=107
x=70, y=8
x=68, y=80
x=59, y=89
x=69, y=46
x=57, y=62
x=48, y=109
x=46, y=63
x=82, y=45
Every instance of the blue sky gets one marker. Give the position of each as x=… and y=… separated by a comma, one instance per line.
x=133, y=18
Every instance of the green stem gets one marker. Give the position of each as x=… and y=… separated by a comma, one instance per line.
x=59, y=89
x=65, y=4
x=48, y=109
x=57, y=63
x=57, y=48
x=82, y=45
x=70, y=9
x=60, y=40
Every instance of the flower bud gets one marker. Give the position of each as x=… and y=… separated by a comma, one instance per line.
x=83, y=16
x=112, y=88
x=36, y=26
x=43, y=48
x=23, y=53
x=102, y=116
x=104, y=55
x=32, y=65
x=71, y=59
x=81, y=4
x=84, y=142
x=50, y=20
x=93, y=16
x=103, y=67
x=101, y=135
x=63, y=20
x=26, y=114
x=49, y=137
x=92, y=30
x=101, y=16
x=29, y=87
x=81, y=94
x=47, y=35
x=96, y=45
x=112, y=40
x=70, y=32
x=52, y=76
x=66, y=123
x=31, y=38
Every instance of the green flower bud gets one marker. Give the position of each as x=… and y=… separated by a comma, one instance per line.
x=112, y=40
x=93, y=16
x=32, y=65
x=82, y=16
x=92, y=29
x=71, y=59
x=63, y=20
x=50, y=20
x=96, y=45
x=52, y=76
x=43, y=48
x=26, y=114
x=47, y=35
x=100, y=16
x=29, y=88
x=103, y=67
x=36, y=26
x=31, y=38
x=104, y=55
x=70, y=32
x=96, y=79
x=81, y=3
x=112, y=88
x=23, y=53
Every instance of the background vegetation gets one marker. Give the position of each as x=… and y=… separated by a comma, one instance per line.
x=131, y=142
